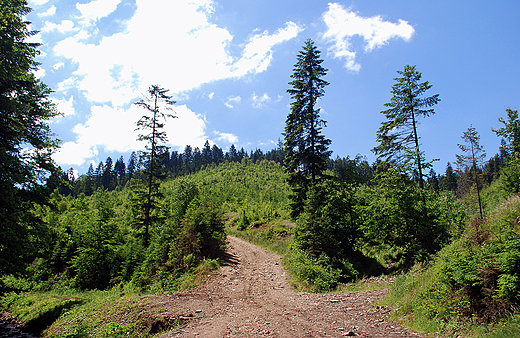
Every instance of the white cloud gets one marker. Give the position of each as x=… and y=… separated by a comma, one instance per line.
x=99, y=128
x=260, y=101
x=211, y=95
x=266, y=143
x=39, y=73
x=232, y=101
x=258, y=52
x=66, y=84
x=65, y=106
x=49, y=12
x=38, y=2
x=343, y=24
x=226, y=137
x=201, y=54
x=98, y=131
x=58, y=65
x=92, y=11
x=74, y=153
x=177, y=47
x=187, y=128
x=64, y=27
x=36, y=38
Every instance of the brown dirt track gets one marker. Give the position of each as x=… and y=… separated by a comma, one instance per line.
x=251, y=297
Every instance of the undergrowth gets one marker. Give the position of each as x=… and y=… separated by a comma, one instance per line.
x=122, y=311
x=307, y=273
x=472, y=288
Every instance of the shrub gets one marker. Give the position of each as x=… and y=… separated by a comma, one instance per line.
x=314, y=274
x=477, y=277
x=327, y=224
x=397, y=213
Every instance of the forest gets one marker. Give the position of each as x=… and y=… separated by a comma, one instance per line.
x=158, y=222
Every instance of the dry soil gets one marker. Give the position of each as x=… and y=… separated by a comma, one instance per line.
x=251, y=297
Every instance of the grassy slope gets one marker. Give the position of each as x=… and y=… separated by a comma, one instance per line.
x=468, y=289
x=253, y=196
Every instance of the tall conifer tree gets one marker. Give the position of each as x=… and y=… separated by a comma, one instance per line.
x=26, y=141
x=306, y=148
x=510, y=133
x=472, y=158
x=153, y=133
x=132, y=165
x=398, y=138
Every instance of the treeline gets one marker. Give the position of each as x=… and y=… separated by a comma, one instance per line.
x=111, y=176
x=459, y=180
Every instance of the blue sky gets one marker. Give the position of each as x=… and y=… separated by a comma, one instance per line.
x=228, y=64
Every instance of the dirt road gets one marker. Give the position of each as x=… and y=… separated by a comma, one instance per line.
x=252, y=298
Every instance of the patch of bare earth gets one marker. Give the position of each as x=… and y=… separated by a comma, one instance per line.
x=10, y=327
x=251, y=297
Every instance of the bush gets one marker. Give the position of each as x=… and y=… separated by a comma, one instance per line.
x=397, y=213
x=510, y=176
x=475, y=278
x=327, y=224
x=202, y=231
x=313, y=274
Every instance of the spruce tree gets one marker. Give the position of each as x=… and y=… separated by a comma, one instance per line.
x=26, y=141
x=108, y=173
x=398, y=138
x=449, y=180
x=206, y=153
x=306, y=148
x=120, y=169
x=188, y=157
x=155, y=137
x=510, y=133
x=132, y=165
x=90, y=180
x=472, y=158
x=217, y=154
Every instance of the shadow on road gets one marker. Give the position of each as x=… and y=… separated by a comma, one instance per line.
x=230, y=259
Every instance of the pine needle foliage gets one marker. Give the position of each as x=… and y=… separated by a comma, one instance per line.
x=305, y=146
x=473, y=156
x=155, y=137
x=398, y=138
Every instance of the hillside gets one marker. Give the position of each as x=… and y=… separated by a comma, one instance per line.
x=87, y=234
x=251, y=297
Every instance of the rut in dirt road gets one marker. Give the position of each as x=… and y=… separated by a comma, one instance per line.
x=251, y=297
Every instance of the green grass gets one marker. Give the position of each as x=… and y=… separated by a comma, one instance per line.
x=38, y=311
x=275, y=237
x=471, y=287
x=506, y=329
x=112, y=314
x=122, y=311
x=119, y=312
x=305, y=276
